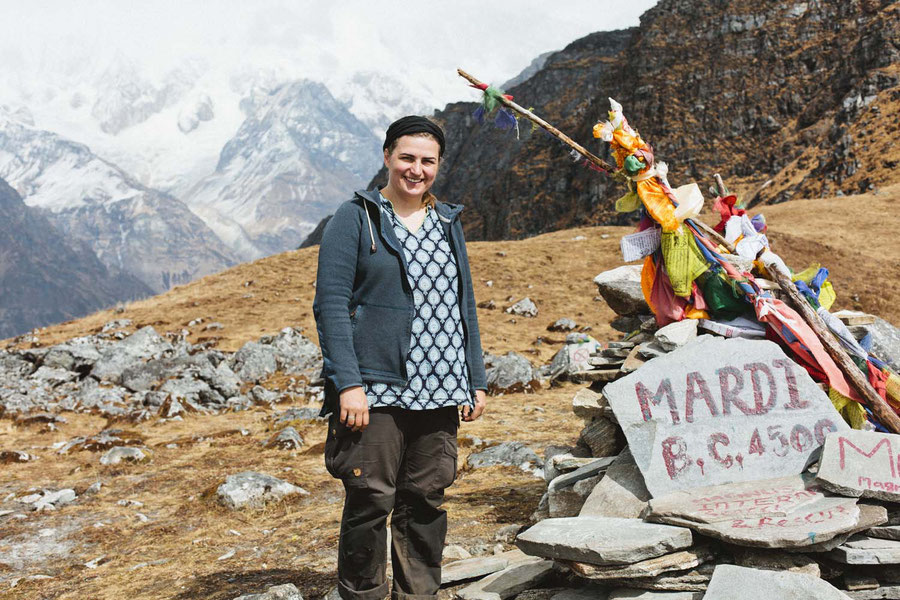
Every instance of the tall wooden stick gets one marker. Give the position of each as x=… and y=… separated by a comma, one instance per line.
x=880, y=408
x=544, y=124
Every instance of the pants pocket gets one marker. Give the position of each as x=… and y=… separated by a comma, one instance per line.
x=446, y=472
x=344, y=454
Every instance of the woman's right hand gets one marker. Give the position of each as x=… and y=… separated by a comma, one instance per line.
x=354, y=408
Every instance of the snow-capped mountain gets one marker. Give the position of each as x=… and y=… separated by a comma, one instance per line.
x=130, y=227
x=378, y=100
x=297, y=155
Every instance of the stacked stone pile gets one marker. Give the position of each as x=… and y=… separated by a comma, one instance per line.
x=145, y=375
x=708, y=467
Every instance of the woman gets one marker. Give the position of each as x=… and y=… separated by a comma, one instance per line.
x=395, y=313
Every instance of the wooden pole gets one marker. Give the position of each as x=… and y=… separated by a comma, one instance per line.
x=547, y=126
x=883, y=412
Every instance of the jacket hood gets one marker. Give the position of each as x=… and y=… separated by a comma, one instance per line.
x=444, y=209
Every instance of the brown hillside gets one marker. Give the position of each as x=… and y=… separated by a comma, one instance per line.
x=179, y=548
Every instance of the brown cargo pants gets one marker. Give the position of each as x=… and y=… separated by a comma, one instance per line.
x=400, y=464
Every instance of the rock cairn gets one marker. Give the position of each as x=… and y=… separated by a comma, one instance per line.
x=710, y=466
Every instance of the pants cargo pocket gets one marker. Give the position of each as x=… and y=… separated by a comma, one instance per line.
x=344, y=454
x=446, y=472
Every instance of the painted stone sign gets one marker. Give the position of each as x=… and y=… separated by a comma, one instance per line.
x=862, y=463
x=718, y=411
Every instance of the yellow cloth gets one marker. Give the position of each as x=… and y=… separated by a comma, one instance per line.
x=657, y=204
x=684, y=262
x=892, y=386
x=852, y=412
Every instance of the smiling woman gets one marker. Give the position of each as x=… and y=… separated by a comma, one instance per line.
x=395, y=313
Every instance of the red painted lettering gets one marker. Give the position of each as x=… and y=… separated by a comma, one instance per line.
x=774, y=434
x=822, y=428
x=675, y=457
x=697, y=388
x=760, y=407
x=794, y=401
x=714, y=440
x=756, y=445
x=801, y=438
x=663, y=391
x=730, y=394
x=842, y=442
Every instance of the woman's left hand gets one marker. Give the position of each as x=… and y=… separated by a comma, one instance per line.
x=470, y=414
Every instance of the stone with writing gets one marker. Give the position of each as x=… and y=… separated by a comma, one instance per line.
x=788, y=512
x=861, y=463
x=720, y=411
x=602, y=541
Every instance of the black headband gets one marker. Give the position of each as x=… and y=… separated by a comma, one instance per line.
x=413, y=124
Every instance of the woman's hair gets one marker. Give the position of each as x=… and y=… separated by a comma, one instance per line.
x=393, y=145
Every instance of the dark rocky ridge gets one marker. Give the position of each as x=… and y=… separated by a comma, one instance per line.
x=802, y=94
x=46, y=278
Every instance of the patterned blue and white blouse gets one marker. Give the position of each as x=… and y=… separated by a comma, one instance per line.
x=436, y=364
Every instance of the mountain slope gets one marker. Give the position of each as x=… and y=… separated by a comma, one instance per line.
x=784, y=100
x=45, y=278
x=298, y=154
x=131, y=228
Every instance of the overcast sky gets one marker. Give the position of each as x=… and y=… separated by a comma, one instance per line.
x=421, y=42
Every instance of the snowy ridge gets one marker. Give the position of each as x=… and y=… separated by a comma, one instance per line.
x=130, y=227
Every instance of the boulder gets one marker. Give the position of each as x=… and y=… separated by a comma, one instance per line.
x=507, y=454
x=621, y=289
x=77, y=354
x=730, y=581
x=523, y=308
x=721, y=410
x=602, y=541
x=621, y=492
x=254, y=490
x=288, y=591
x=295, y=354
x=286, y=439
x=254, y=361
x=563, y=324
x=118, y=454
x=510, y=373
x=140, y=346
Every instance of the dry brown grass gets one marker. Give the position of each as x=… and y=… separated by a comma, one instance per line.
x=296, y=541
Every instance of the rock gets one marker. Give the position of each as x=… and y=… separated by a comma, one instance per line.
x=677, y=334
x=118, y=454
x=254, y=361
x=523, y=572
x=262, y=396
x=591, y=469
x=602, y=541
x=633, y=361
x=295, y=354
x=523, y=308
x=653, y=567
x=77, y=354
x=621, y=492
x=631, y=594
x=721, y=410
x=507, y=533
x=729, y=582
x=603, y=437
x=861, y=463
x=471, y=568
x=455, y=552
x=567, y=501
x=885, y=532
x=582, y=593
x=52, y=376
x=507, y=454
x=138, y=347
x=621, y=289
x=303, y=414
x=573, y=357
x=866, y=550
x=286, y=439
x=775, y=560
x=885, y=342
x=563, y=324
x=115, y=324
x=509, y=374
x=626, y=324
x=15, y=456
x=801, y=514
x=254, y=490
x=49, y=499
x=288, y=591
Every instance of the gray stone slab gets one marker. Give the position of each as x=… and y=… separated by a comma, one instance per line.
x=885, y=532
x=861, y=463
x=521, y=574
x=884, y=592
x=602, y=541
x=567, y=501
x=591, y=469
x=470, y=568
x=603, y=437
x=631, y=594
x=677, y=334
x=692, y=580
x=652, y=567
x=869, y=515
x=775, y=560
x=730, y=582
x=789, y=512
x=621, y=289
x=621, y=492
x=865, y=550
x=719, y=411
x=589, y=404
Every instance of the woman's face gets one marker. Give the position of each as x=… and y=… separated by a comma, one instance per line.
x=413, y=165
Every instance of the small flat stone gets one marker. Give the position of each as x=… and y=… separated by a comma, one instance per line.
x=621, y=492
x=567, y=501
x=523, y=572
x=287, y=591
x=471, y=568
x=632, y=594
x=865, y=550
x=885, y=532
x=692, y=580
x=252, y=489
x=591, y=469
x=633, y=361
x=884, y=592
x=677, y=334
x=653, y=567
x=589, y=404
x=776, y=560
x=119, y=454
x=858, y=583
x=602, y=541
x=730, y=582
x=604, y=375
x=455, y=552
x=861, y=463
